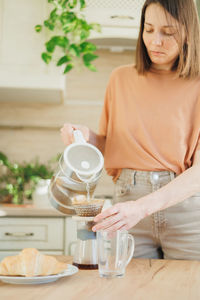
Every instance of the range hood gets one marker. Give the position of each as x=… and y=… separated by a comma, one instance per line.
x=119, y=20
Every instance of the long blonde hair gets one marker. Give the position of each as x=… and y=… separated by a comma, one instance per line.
x=187, y=64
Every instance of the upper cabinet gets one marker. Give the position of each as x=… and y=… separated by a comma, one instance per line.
x=23, y=75
x=119, y=19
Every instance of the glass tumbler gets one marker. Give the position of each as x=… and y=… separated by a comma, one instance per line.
x=115, y=251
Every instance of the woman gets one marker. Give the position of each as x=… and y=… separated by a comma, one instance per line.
x=150, y=135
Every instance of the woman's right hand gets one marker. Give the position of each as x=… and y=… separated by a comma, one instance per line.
x=67, y=132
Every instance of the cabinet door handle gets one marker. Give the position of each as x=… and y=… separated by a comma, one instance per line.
x=19, y=234
x=122, y=17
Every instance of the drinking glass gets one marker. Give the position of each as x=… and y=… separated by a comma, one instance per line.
x=115, y=251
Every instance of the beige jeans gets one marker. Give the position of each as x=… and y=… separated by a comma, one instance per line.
x=173, y=233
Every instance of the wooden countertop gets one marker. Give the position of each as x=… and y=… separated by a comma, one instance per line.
x=144, y=279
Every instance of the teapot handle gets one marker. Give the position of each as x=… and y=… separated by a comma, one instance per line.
x=78, y=137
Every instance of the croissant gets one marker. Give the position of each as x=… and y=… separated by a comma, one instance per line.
x=30, y=262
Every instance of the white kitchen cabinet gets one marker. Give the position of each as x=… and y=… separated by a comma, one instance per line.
x=43, y=228
x=50, y=235
x=24, y=76
x=119, y=20
x=44, y=233
x=70, y=236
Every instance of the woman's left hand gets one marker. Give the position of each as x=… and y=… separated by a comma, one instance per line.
x=120, y=216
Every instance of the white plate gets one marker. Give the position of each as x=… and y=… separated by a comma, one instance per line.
x=39, y=279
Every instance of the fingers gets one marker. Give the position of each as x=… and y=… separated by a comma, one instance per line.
x=111, y=228
x=66, y=132
x=124, y=227
x=114, y=218
x=106, y=213
x=117, y=226
x=107, y=222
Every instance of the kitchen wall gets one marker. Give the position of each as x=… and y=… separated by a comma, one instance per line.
x=29, y=126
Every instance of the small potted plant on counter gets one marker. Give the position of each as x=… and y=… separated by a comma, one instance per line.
x=18, y=181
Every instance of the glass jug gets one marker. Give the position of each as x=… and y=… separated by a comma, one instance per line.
x=78, y=172
x=85, y=256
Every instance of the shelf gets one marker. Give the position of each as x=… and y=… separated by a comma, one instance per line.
x=25, y=85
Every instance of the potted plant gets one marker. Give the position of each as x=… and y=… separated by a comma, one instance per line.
x=18, y=181
x=69, y=31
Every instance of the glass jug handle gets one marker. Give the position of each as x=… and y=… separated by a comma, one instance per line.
x=131, y=243
x=78, y=137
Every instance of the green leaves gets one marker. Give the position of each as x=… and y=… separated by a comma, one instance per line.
x=67, y=17
x=95, y=27
x=72, y=3
x=38, y=28
x=82, y=4
x=49, y=25
x=87, y=47
x=19, y=180
x=71, y=34
x=53, y=15
x=60, y=41
x=63, y=60
x=74, y=50
x=3, y=159
x=68, y=68
x=46, y=57
x=88, y=57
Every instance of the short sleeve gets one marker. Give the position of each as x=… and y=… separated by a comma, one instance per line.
x=104, y=119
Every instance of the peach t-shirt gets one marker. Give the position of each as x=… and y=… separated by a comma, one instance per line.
x=151, y=122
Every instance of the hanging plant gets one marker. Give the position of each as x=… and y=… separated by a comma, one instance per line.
x=70, y=33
